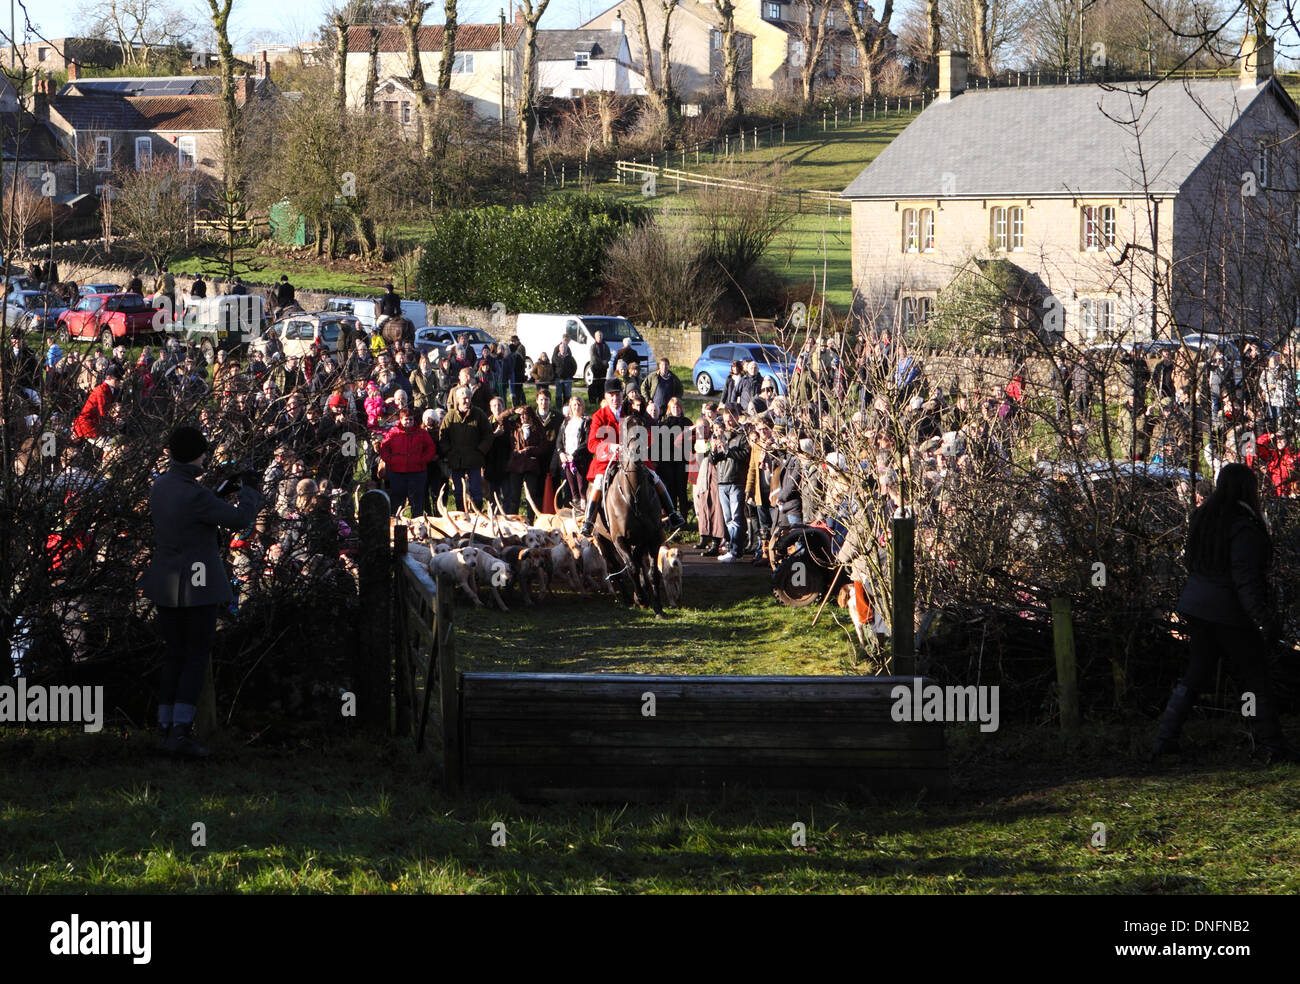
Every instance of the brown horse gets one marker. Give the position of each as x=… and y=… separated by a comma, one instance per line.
x=629, y=529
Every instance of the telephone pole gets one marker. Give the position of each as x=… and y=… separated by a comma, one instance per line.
x=502, y=126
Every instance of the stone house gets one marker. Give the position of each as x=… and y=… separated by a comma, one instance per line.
x=696, y=51
x=1125, y=212
x=476, y=75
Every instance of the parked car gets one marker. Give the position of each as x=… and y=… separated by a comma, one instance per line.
x=542, y=332
x=86, y=289
x=33, y=310
x=712, y=368
x=434, y=339
x=300, y=333
x=108, y=317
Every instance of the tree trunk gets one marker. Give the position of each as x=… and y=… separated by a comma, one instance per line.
x=341, y=63
x=869, y=39
x=668, y=91
x=933, y=22
x=372, y=71
x=982, y=55
x=730, y=57
x=814, y=45
x=524, y=122
x=230, y=109
x=448, y=48
x=414, y=14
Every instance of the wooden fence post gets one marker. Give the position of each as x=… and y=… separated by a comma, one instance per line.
x=1066, y=672
x=902, y=544
x=403, y=673
x=448, y=684
x=374, y=660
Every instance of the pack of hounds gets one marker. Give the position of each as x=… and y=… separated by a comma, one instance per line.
x=496, y=556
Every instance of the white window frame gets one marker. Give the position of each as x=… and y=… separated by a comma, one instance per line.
x=406, y=112
x=192, y=153
x=582, y=60
x=1098, y=227
x=1016, y=228
x=851, y=56
x=107, y=144
x=463, y=63
x=911, y=231
x=716, y=38
x=907, y=314
x=927, y=230
x=797, y=53
x=143, y=153
x=924, y=310
x=999, y=237
x=1097, y=317
x=577, y=93
x=771, y=11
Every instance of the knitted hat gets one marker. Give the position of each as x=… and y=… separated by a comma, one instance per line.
x=187, y=444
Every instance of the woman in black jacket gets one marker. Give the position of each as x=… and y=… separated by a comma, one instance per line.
x=1228, y=606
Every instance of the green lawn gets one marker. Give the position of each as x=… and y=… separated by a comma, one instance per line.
x=100, y=813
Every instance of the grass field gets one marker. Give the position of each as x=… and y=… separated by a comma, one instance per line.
x=304, y=808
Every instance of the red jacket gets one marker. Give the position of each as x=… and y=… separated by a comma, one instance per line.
x=93, y=413
x=1283, y=467
x=603, y=440
x=406, y=452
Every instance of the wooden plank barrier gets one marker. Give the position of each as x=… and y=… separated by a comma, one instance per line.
x=615, y=737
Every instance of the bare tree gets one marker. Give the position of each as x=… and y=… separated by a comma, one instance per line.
x=730, y=57
x=340, y=21
x=414, y=16
x=139, y=28
x=230, y=110
x=372, y=70
x=448, y=48
x=525, y=122
x=151, y=208
x=812, y=37
x=870, y=39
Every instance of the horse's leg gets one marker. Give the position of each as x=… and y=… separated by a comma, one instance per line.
x=628, y=558
x=657, y=577
x=615, y=564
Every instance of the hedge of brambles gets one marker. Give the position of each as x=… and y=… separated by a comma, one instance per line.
x=544, y=257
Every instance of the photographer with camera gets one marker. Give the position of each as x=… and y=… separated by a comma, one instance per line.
x=187, y=580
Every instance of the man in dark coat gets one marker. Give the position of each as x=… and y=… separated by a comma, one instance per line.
x=187, y=580
x=391, y=303
x=284, y=293
x=566, y=367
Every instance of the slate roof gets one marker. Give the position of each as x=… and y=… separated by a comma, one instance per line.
x=469, y=37
x=1056, y=140
x=146, y=113
x=561, y=45
x=171, y=85
x=27, y=139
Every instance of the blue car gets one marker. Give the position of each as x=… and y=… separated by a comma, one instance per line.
x=713, y=366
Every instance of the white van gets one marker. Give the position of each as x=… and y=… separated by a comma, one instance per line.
x=542, y=332
x=366, y=310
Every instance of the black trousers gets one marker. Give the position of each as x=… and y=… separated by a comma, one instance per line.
x=1246, y=649
x=188, y=634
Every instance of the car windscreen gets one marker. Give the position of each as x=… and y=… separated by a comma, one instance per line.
x=329, y=330
x=613, y=328
x=769, y=354
x=42, y=301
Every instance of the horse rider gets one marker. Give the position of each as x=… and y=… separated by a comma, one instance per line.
x=603, y=443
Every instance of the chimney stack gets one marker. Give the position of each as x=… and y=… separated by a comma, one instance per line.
x=264, y=66
x=74, y=71
x=244, y=90
x=1256, y=61
x=616, y=25
x=952, y=74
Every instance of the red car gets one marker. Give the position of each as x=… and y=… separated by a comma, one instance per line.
x=109, y=317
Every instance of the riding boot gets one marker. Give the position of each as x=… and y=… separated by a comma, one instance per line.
x=181, y=742
x=1171, y=722
x=589, y=521
x=675, y=520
